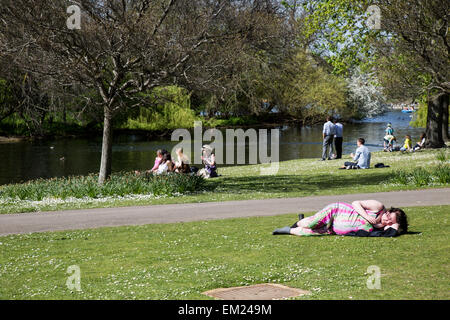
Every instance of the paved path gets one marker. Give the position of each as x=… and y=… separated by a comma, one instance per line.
x=172, y=213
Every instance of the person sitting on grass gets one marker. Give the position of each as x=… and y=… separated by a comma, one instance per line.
x=366, y=218
x=389, y=142
x=182, y=165
x=407, y=146
x=209, y=160
x=362, y=157
x=421, y=144
x=158, y=159
x=166, y=165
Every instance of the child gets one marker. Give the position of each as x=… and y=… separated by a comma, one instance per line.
x=389, y=130
x=407, y=146
x=389, y=142
x=158, y=159
x=421, y=144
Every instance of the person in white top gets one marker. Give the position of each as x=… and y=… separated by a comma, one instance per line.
x=421, y=144
x=329, y=130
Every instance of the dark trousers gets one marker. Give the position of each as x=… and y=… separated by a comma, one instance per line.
x=327, y=143
x=352, y=165
x=338, y=147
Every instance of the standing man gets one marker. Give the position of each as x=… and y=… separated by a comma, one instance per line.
x=329, y=130
x=338, y=138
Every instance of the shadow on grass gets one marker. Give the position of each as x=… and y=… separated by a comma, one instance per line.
x=299, y=183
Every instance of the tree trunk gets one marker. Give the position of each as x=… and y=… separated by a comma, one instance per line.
x=445, y=134
x=106, y=160
x=434, y=121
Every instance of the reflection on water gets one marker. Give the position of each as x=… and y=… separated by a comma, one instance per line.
x=30, y=160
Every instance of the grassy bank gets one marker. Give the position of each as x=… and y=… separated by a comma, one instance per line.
x=296, y=178
x=180, y=261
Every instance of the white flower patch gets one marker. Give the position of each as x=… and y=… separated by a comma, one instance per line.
x=52, y=202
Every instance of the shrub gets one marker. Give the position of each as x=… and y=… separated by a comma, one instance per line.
x=442, y=155
x=120, y=184
x=442, y=173
x=422, y=177
x=400, y=177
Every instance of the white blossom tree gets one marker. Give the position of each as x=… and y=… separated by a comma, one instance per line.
x=365, y=95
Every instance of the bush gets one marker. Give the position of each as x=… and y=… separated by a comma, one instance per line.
x=442, y=174
x=442, y=155
x=120, y=184
x=422, y=177
x=400, y=177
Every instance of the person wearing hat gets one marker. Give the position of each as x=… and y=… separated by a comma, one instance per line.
x=389, y=130
x=209, y=160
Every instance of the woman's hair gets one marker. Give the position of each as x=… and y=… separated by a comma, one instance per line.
x=423, y=135
x=401, y=218
x=159, y=152
x=167, y=157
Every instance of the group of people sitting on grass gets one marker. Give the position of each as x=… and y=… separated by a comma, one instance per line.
x=390, y=146
x=164, y=164
x=367, y=218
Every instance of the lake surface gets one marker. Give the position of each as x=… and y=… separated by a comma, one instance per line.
x=22, y=161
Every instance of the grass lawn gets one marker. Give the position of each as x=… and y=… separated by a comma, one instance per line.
x=179, y=261
x=296, y=178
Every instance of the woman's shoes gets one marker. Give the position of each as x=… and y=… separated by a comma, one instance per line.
x=282, y=231
x=300, y=217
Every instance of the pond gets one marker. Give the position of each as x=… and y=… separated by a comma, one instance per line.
x=26, y=160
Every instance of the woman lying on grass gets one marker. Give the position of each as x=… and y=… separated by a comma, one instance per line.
x=368, y=218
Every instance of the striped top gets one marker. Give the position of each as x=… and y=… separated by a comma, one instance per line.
x=347, y=219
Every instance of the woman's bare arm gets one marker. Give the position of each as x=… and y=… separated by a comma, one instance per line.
x=372, y=205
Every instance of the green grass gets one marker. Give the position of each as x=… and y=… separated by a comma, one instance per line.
x=180, y=261
x=296, y=178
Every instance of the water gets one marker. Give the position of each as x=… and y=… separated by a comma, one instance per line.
x=22, y=161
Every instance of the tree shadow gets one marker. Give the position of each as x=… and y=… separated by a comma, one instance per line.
x=298, y=183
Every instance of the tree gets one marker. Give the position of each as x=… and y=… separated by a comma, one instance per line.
x=308, y=92
x=24, y=95
x=422, y=44
x=126, y=47
x=365, y=95
x=411, y=47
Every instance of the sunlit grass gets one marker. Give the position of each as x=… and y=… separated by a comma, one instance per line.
x=180, y=261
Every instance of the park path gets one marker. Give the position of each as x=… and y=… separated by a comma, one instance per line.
x=173, y=213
